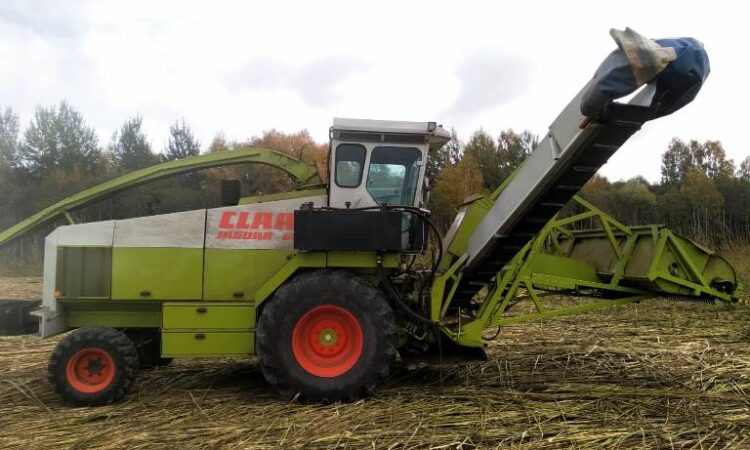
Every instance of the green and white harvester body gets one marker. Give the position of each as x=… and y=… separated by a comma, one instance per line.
x=334, y=283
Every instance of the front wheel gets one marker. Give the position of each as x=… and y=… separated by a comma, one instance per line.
x=326, y=336
x=93, y=366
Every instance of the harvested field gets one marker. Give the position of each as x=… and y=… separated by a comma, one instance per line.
x=656, y=375
x=20, y=287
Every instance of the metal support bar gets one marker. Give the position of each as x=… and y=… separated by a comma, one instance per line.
x=533, y=295
x=438, y=304
x=69, y=216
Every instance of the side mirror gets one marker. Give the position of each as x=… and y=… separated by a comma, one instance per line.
x=426, y=189
x=231, y=190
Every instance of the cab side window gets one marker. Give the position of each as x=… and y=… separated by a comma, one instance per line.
x=393, y=175
x=350, y=162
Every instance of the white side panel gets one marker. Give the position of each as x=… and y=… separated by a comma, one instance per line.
x=183, y=230
x=51, y=315
x=50, y=270
x=93, y=234
x=268, y=225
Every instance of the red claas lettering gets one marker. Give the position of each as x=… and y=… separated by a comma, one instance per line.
x=262, y=220
x=232, y=224
x=226, y=219
x=242, y=220
x=284, y=221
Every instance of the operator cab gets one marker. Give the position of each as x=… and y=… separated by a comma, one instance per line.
x=380, y=162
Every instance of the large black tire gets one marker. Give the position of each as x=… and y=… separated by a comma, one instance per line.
x=93, y=366
x=148, y=344
x=297, y=306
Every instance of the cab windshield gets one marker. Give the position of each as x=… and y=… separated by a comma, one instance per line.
x=393, y=175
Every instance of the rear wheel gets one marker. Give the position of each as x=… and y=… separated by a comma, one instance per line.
x=93, y=366
x=326, y=336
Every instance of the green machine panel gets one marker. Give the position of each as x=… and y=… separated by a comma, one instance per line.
x=210, y=343
x=142, y=273
x=195, y=316
x=192, y=329
x=235, y=274
x=109, y=313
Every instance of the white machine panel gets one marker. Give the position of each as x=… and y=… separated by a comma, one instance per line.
x=182, y=230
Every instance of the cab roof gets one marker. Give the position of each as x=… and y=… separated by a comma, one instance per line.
x=369, y=130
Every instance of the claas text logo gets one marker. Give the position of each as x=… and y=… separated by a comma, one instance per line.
x=259, y=226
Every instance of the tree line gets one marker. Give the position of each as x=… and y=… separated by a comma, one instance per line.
x=702, y=193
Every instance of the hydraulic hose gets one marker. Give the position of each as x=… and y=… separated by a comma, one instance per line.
x=397, y=298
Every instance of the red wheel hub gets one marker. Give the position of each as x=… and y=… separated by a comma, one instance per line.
x=327, y=341
x=90, y=370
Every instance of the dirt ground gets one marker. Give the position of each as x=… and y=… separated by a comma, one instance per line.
x=657, y=375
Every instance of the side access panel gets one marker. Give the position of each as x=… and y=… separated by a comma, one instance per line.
x=197, y=344
x=235, y=274
x=159, y=257
x=157, y=273
x=192, y=329
x=215, y=316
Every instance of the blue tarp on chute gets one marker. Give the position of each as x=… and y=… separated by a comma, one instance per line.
x=677, y=66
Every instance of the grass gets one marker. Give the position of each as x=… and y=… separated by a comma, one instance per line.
x=656, y=375
x=738, y=255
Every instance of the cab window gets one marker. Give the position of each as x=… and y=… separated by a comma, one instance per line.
x=393, y=175
x=350, y=161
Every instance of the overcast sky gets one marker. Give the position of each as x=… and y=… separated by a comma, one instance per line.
x=244, y=67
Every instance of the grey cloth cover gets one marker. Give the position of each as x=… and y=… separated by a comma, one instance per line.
x=637, y=61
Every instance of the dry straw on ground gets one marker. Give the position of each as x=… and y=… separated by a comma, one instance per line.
x=656, y=375
x=20, y=287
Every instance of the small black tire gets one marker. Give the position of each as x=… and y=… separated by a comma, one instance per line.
x=93, y=366
x=148, y=344
x=292, y=324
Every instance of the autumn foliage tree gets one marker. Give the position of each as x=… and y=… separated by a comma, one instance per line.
x=448, y=154
x=482, y=149
x=454, y=184
x=258, y=179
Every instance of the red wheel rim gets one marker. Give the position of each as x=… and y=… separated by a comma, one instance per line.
x=327, y=341
x=90, y=370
